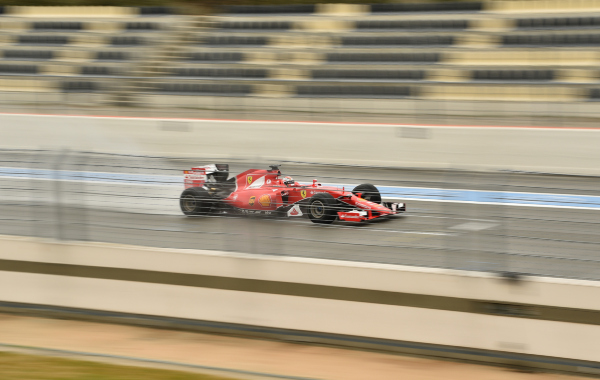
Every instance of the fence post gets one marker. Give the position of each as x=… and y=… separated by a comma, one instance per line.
x=81, y=166
x=57, y=193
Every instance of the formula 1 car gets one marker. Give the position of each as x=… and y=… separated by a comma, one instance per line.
x=209, y=191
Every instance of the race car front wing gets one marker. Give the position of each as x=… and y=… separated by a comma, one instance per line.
x=364, y=215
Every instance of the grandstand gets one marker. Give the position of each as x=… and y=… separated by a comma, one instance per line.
x=47, y=52
x=534, y=51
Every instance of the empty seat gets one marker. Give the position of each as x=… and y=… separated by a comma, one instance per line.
x=271, y=9
x=142, y=26
x=126, y=41
x=43, y=40
x=594, y=94
x=558, y=22
x=28, y=54
x=216, y=57
x=353, y=91
x=58, y=25
x=412, y=25
x=97, y=70
x=79, y=86
x=552, y=39
x=397, y=40
x=18, y=69
x=219, y=73
x=427, y=7
x=513, y=75
x=255, y=25
x=112, y=56
x=204, y=89
x=369, y=74
x=383, y=57
x=156, y=11
x=236, y=40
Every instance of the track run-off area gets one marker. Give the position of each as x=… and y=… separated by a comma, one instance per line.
x=500, y=222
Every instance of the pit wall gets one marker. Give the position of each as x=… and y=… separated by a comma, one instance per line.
x=554, y=150
x=552, y=323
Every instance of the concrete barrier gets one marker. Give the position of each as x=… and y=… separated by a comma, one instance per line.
x=569, y=151
x=535, y=317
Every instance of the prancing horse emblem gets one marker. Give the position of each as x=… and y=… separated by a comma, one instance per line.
x=303, y=193
x=249, y=179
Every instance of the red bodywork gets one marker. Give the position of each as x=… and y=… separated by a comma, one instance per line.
x=259, y=191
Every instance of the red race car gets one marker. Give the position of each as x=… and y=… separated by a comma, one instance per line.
x=209, y=191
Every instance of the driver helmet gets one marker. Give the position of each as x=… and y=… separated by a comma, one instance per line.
x=288, y=181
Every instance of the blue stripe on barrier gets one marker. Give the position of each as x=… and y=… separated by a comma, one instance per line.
x=493, y=197
x=407, y=193
x=70, y=175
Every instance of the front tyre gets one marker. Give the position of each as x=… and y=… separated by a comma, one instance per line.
x=368, y=192
x=322, y=208
x=195, y=201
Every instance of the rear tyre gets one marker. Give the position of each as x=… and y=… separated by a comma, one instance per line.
x=195, y=201
x=369, y=192
x=322, y=208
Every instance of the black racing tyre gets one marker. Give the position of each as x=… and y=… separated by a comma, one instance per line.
x=322, y=208
x=195, y=201
x=369, y=192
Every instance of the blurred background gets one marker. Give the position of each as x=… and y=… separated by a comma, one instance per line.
x=480, y=115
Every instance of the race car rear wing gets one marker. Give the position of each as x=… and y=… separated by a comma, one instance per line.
x=198, y=176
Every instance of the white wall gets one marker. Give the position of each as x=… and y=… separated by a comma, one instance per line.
x=571, y=151
x=530, y=336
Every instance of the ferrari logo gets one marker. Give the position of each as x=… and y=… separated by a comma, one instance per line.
x=303, y=193
x=249, y=179
x=251, y=201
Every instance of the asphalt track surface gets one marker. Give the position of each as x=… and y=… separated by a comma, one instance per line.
x=550, y=241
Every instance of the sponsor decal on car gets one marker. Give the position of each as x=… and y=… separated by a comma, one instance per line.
x=255, y=212
x=198, y=176
x=295, y=211
x=235, y=196
x=249, y=179
x=264, y=200
x=303, y=193
x=352, y=216
x=252, y=200
x=362, y=205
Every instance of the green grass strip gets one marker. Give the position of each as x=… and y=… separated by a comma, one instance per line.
x=15, y=366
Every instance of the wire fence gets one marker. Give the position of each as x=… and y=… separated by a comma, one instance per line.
x=84, y=196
